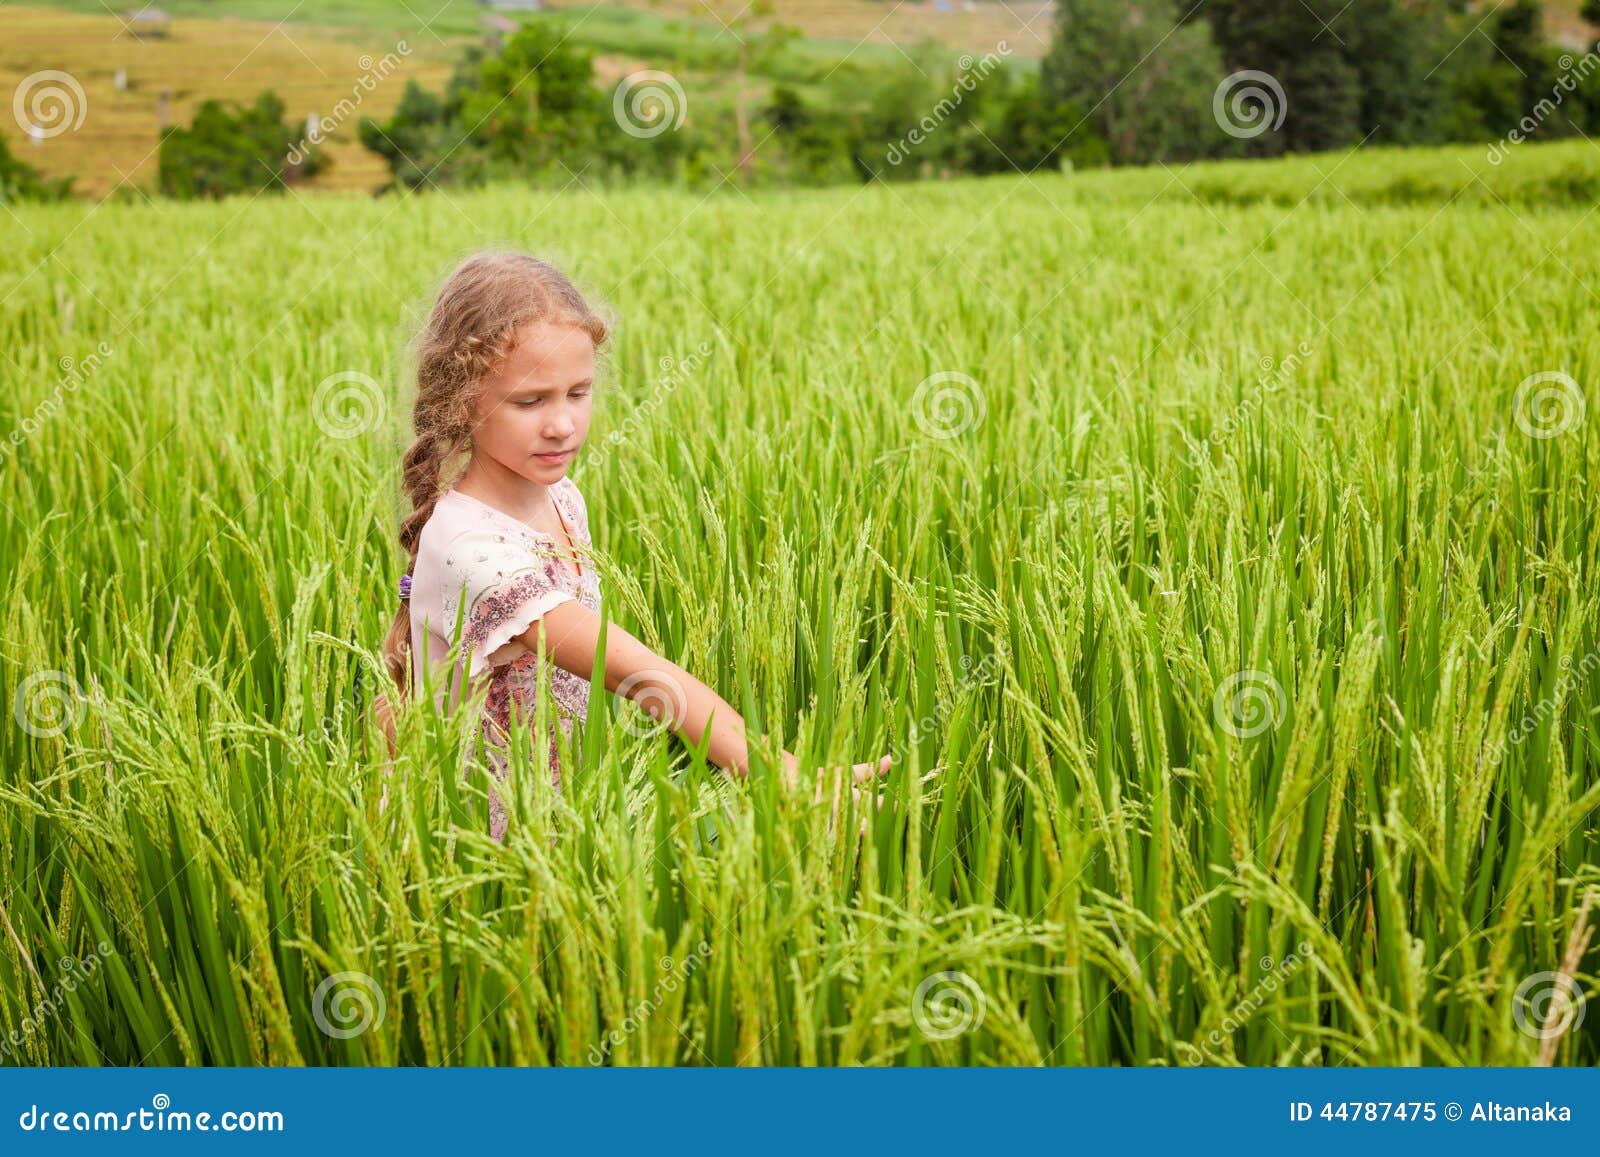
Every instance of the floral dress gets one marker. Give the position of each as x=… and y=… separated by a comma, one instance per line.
x=500, y=576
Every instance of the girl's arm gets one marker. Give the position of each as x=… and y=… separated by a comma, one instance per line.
x=664, y=689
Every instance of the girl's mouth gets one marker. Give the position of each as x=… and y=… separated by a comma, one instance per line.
x=552, y=459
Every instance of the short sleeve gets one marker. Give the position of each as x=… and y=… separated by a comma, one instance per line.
x=578, y=511
x=505, y=585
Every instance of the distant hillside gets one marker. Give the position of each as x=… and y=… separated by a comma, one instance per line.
x=310, y=67
x=310, y=53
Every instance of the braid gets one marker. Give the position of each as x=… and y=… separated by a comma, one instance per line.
x=475, y=355
x=422, y=480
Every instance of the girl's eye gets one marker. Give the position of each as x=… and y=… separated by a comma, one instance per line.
x=583, y=393
x=529, y=402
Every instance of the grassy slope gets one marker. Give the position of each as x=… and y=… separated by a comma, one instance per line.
x=313, y=65
x=849, y=21
x=116, y=144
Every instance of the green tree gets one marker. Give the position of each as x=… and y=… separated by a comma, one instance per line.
x=1302, y=48
x=1008, y=126
x=522, y=113
x=422, y=140
x=233, y=150
x=536, y=101
x=20, y=181
x=1518, y=34
x=896, y=101
x=1037, y=133
x=1146, y=88
x=760, y=40
x=1325, y=111
x=815, y=143
x=1390, y=43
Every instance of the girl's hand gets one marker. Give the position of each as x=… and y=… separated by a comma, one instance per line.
x=863, y=773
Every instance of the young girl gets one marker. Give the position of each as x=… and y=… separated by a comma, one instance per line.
x=505, y=375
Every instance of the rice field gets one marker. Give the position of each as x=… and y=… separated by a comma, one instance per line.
x=1228, y=536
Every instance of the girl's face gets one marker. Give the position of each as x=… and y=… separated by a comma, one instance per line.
x=533, y=411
